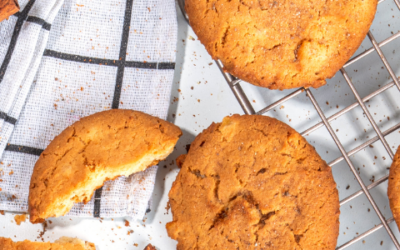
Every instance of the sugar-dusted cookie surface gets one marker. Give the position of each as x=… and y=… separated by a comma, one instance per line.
x=394, y=187
x=281, y=44
x=97, y=148
x=64, y=243
x=253, y=182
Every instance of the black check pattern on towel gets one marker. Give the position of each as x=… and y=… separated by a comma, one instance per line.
x=109, y=62
x=21, y=18
x=24, y=149
x=121, y=64
x=39, y=21
x=7, y=118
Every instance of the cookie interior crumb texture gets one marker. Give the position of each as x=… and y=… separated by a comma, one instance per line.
x=394, y=187
x=253, y=182
x=149, y=247
x=64, y=243
x=95, y=149
x=19, y=218
x=281, y=44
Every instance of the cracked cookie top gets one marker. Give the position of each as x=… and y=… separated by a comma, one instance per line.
x=394, y=187
x=64, y=243
x=99, y=147
x=253, y=182
x=281, y=44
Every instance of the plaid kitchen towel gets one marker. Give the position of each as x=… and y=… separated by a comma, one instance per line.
x=63, y=60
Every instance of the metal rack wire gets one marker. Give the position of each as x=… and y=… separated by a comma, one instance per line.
x=234, y=84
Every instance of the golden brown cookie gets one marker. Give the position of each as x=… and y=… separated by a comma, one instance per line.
x=149, y=247
x=97, y=148
x=8, y=8
x=253, y=182
x=394, y=187
x=64, y=243
x=281, y=44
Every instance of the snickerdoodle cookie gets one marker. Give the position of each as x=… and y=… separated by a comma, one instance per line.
x=97, y=148
x=281, y=44
x=394, y=187
x=253, y=182
x=64, y=243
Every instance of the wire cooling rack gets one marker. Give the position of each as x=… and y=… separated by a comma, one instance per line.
x=242, y=98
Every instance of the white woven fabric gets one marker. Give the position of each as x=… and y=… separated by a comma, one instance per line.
x=97, y=55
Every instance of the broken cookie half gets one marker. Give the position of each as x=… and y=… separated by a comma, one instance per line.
x=95, y=149
x=64, y=243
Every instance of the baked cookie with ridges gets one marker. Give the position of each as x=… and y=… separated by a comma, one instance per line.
x=99, y=147
x=253, y=182
x=64, y=243
x=394, y=187
x=281, y=44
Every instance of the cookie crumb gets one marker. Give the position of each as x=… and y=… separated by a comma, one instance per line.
x=149, y=247
x=20, y=218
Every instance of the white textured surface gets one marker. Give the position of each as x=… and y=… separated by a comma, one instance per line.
x=47, y=94
x=217, y=101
